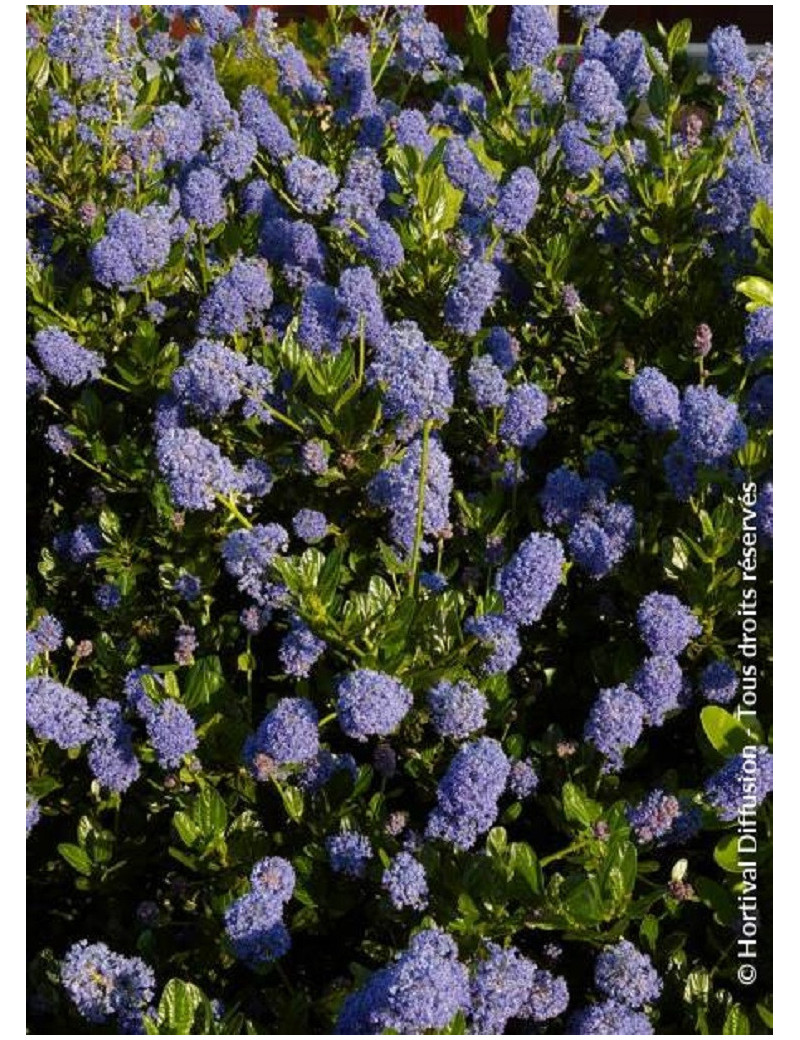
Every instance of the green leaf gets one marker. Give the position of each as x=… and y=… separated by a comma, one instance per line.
x=618, y=876
x=293, y=802
x=526, y=866
x=203, y=680
x=697, y=987
x=761, y=220
x=678, y=38
x=77, y=858
x=496, y=841
x=726, y=853
x=725, y=733
x=178, y=1006
x=210, y=814
x=578, y=807
x=648, y=930
x=736, y=1022
x=757, y=290
x=187, y=829
x=584, y=902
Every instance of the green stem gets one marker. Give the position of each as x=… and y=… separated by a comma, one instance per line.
x=283, y=418
x=114, y=383
x=52, y=403
x=562, y=853
x=361, y=350
x=91, y=466
x=423, y=480
x=390, y=51
x=234, y=510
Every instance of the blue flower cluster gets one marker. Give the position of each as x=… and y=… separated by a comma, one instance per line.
x=104, y=985
x=468, y=793
x=370, y=703
x=254, y=922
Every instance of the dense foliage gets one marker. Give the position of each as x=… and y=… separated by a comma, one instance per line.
x=400, y=509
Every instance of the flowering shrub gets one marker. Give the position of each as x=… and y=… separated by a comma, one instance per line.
x=400, y=419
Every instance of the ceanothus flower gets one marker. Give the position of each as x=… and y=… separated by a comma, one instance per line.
x=421, y=991
x=194, y=468
x=273, y=878
x=411, y=130
x=468, y=793
x=405, y=883
x=54, y=712
x=589, y=14
x=349, y=853
x=417, y=378
x=457, y=709
x=503, y=348
x=258, y=117
x=171, y=731
x=500, y=986
x=517, y=201
x=609, y=1017
x=522, y=779
x=577, y=149
x=32, y=815
x=300, y=649
x=295, y=78
x=727, y=56
x=710, y=429
x=522, y=424
x=665, y=624
x=562, y=498
x=741, y=784
x=655, y=400
x=654, y=816
x=202, y=197
x=548, y=997
x=188, y=587
x=465, y=172
x=111, y=757
x=310, y=184
x=530, y=578
x=615, y=723
x=421, y=47
x=600, y=539
x=626, y=60
x=46, y=636
x=64, y=360
x=500, y=634
x=254, y=927
x=134, y=246
x=287, y=736
x=237, y=300
x=350, y=70
x=658, y=683
x=371, y=703
x=248, y=553
x=595, y=95
x=759, y=401
x=471, y=296
x=487, y=383
x=532, y=35
x=719, y=682
x=396, y=488
x=359, y=306
x=102, y=984
x=310, y=525
x=758, y=335
x=627, y=975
